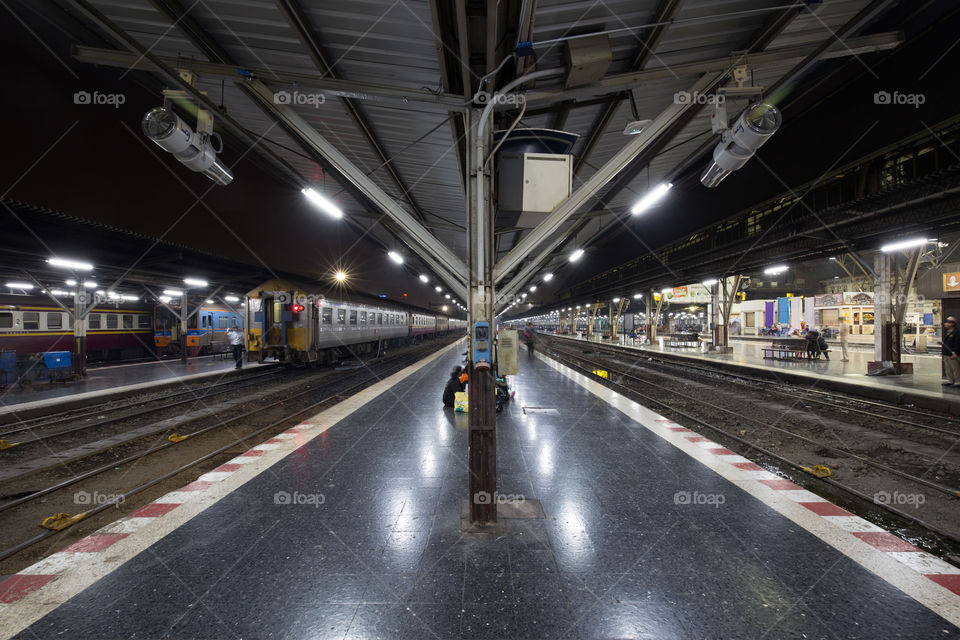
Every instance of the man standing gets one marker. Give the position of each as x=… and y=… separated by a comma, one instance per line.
x=235, y=336
x=529, y=336
x=844, y=332
x=950, y=348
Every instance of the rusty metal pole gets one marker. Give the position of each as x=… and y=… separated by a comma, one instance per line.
x=481, y=398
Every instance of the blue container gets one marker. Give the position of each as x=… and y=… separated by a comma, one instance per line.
x=8, y=367
x=57, y=360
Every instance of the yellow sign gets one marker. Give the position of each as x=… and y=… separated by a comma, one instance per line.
x=951, y=281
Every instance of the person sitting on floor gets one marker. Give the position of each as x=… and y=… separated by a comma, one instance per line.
x=454, y=384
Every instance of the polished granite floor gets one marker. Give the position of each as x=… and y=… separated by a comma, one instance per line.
x=109, y=378
x=383, y=555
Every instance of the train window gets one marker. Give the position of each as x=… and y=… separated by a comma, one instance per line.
x=363, y=317
x=93, y=321
x=31, y=320
x=353, y=316
x=54, y=321
x=341, y=316
x=127, y=321
x=222, y=322
x=379, y=318
x=327, y=315
x=193, y=322
x=143, y=321
x=111, y=320
x=6, y=320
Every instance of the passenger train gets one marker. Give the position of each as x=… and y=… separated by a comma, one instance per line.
x=115, y=331
x=296, y=325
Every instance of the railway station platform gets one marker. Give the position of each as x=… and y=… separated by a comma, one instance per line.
x=349, y=526
x=102, y=382
x=922, y=388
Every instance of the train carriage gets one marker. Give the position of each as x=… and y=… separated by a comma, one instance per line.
x=206, y=330
x=115, y=331
x=294, y=324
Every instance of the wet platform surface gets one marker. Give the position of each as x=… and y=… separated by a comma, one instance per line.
x=926, y=376
x=379, y=553
x=108, y=379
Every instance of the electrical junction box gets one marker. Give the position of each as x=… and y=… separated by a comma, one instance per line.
x=481, y=345
x=533, y=184
x=508, y=347
x=587, y=60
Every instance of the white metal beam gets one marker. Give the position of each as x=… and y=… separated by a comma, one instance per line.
x=452, y=269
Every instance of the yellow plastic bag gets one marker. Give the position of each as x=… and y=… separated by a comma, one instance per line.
x=460, y=401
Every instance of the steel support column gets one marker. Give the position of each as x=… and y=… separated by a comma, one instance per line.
x=482, y=415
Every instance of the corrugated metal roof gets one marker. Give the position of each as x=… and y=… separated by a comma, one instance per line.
x=391, y=42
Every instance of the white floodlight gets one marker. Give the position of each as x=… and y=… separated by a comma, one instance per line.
x=195, y=282
x=322, y=203
x=173, y=293
x=424, y=278
x=576, y=255
x=904, y=244
x=19, y=285
x=772, y=271
x=396, y=257
x=651, y=198
x=76, y=265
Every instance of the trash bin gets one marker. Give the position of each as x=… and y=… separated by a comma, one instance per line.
x=706, y=346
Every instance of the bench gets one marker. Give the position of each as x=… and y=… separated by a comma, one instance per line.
x=786, y=349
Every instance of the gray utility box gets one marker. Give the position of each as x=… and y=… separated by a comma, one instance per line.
x=533, y=184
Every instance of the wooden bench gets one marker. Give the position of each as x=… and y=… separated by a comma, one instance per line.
x=786, y=349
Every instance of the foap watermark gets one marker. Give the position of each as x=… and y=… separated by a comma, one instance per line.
x=685, y=97
x=513, y=99
x=695, y=497
x=96, y=498
x=299, y=98
x=484, y=497
x=898, y=498
x=896, y=98
x=297, y=498
x=96, y=98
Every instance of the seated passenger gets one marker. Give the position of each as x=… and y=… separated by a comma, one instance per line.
x=454, y=384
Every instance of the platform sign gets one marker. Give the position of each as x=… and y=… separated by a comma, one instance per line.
x=679, y=292
x=951, y=282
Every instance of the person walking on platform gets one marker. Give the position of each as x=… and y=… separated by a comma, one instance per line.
x=950, y=347
x=235, y=336
x=529, y=336
x=844, y=333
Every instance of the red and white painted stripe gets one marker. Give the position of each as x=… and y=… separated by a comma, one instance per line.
x=35, y=591
x=923, y=576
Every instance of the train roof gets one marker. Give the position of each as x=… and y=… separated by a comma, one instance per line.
x=354, y=297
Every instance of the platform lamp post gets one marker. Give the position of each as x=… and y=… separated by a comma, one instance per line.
x=82, y=305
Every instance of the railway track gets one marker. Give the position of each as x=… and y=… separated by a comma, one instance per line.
x=762, y=433
x=134, y=477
